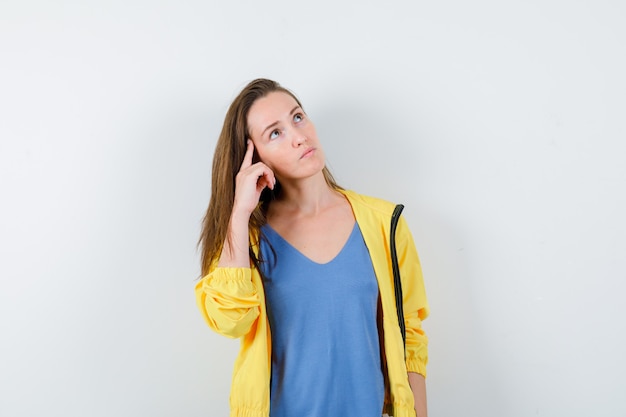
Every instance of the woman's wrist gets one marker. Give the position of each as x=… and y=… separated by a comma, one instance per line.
x=240, y=215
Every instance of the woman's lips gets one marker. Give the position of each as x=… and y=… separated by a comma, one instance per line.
x=307, y=153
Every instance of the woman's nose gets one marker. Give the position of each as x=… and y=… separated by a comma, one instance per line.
x=298, y=138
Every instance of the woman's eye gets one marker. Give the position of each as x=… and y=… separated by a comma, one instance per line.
x=298, y=118
x=274, y=134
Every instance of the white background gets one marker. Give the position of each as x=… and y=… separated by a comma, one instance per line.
x=500, y=125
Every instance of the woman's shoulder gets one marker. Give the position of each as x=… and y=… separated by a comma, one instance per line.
x=365, y=202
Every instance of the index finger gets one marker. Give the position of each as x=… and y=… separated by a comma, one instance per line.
x=247, y=158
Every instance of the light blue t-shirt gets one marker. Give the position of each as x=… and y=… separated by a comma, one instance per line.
x=325, y=346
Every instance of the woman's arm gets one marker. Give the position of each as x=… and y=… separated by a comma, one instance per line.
x=249, y=183
x=416, y=309
x=227, y=296
x=418, y=386
x=235, y=249
x=228, y=300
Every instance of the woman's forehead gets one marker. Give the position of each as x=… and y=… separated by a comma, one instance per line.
x=271, y=108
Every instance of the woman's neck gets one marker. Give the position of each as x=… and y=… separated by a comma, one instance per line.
x=307, y=196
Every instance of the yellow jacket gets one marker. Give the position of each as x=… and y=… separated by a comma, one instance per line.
x=232, y=302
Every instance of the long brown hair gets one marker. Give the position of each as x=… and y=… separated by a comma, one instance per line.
x=227, y=158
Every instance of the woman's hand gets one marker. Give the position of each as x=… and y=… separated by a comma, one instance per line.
x=250, y=182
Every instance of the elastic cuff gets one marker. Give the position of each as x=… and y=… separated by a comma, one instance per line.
x=227, y=273
x=401, y=410
x=416, y=366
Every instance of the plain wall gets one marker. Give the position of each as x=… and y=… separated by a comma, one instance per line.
x=500, y=126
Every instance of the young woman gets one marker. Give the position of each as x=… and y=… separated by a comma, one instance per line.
x=299, y=269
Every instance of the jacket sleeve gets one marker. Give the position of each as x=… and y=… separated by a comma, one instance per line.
x=228, y=300
x=415, y=304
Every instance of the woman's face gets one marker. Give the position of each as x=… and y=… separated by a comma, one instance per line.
x=284, y=138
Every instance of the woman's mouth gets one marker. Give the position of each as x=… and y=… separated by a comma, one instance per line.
x=307, y=153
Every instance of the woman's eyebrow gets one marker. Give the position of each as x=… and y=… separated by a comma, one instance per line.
x=268, y=127
x=276, y=122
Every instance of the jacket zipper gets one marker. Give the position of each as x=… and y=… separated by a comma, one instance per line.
x=395, y=217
